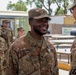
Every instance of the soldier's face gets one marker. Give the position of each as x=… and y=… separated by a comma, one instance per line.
x=21, y=32
x=40, y=26
x=74, y=12
x=5, y=24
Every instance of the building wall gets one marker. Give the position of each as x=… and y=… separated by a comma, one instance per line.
x=55, y=28
x=57, y=19
x=59, y=23
x=61, y=28
x=66, y=19
x=69, y=20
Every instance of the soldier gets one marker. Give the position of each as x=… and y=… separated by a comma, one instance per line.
x=6, y=33
x=73, y=10
x=73, y=48
x=32, y=54
x=3, y=48
x=20, y=32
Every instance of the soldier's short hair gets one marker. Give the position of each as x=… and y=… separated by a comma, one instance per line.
x=20, y=28
x=5, y=21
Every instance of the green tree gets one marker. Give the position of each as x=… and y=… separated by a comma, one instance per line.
x=19, y=6
x=62, y=5
x=61, y=11
x=41, y=3
x=47, y=5
x=65, y=4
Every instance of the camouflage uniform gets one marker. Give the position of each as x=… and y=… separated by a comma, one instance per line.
x=3, y=48
x=7, y=34
x=30, y=56
x=20, y=32
x=73, y=59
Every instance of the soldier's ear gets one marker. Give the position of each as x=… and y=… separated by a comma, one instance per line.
x=31, y=22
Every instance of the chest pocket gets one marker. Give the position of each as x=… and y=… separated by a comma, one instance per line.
x=46, y=57
x=29, y=63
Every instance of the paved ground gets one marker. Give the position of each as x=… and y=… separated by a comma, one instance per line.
x=64, y=59
x=63, y=72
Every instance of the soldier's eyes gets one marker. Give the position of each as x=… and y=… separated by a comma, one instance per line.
x=42, y=21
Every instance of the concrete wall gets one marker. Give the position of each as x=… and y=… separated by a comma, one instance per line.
x=62, y=19
x=57, y=20
x=57, y=28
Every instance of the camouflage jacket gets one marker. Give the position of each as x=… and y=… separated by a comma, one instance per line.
x=3, y=48
x=7, y=34
x=73, y=58
x=30, y=56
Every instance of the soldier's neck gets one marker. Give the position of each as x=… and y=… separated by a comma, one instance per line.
x=36, y=36
x=5, y=28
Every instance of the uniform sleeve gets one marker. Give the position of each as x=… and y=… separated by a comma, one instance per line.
x=73, y=59
x=3, y=49
x=11, y=36
x=12, y=63
x=56, y=70
x=73, y=54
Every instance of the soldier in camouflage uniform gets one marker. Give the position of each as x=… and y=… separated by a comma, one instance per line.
x=3, y=48
x=6, y=32
x=73, y=48
x=73, y=10
x=20, y=32
x=32, y=54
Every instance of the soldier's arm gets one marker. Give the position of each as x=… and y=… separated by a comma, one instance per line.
x=3, y=50
x=12, y=63
x=73, y=59
x=73, y=63
x=56, y=70
x=12, y=36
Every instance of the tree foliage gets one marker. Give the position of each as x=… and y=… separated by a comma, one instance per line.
x=41, y=3
x=62, y=5
x=19, y=6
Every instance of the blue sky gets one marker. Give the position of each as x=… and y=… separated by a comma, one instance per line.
x=3, y=4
